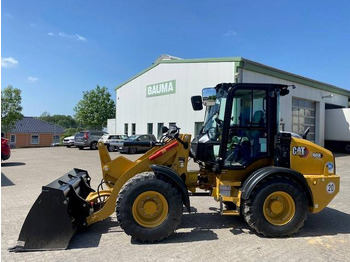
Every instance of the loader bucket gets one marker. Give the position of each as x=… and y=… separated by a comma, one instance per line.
x=57, y=213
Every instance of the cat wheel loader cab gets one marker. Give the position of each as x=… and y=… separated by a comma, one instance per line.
x=271, y=178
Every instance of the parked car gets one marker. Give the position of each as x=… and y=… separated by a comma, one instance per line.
x=136, y=143
x=68, y=141
x=87, y=138
x=107, y=139
x=5, y=149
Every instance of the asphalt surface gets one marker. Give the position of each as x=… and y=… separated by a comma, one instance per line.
x=203, y=235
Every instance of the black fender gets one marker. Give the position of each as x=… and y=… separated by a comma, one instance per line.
x=176, y=179
x=265, y=172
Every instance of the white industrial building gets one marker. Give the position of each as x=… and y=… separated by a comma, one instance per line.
x=160, y=95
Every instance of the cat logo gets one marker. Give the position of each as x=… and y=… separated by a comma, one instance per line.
x=300, y=151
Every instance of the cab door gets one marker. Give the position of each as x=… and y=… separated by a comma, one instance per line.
x=246, y=136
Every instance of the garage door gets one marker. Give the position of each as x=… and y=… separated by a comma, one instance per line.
x=304, y=116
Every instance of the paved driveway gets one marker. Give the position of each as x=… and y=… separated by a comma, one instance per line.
x=202, y=236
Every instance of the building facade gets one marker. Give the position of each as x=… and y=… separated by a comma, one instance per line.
x=160, y=95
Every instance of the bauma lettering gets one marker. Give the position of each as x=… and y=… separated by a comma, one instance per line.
x=159, y=89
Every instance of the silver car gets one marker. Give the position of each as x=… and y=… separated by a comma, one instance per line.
x=88, y=139
x=110, y=139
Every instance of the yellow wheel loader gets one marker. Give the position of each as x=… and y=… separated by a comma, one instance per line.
x=271, y=178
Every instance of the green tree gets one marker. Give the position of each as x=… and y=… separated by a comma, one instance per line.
x=65, y=121
x=10, y=108
x=95, y=108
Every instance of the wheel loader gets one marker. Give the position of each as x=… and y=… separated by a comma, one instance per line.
x=271, y=178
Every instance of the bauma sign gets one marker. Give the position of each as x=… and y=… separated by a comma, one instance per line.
x=160, y=89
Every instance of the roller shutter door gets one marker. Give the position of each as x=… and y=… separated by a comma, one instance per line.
x=304, y=116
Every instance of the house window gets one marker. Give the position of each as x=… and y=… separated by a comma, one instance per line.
x=126, y=127
x=150, y=128
x=35, y=139
x=133, y=128
x=13, y=139
x=160, y=126
x=56, y=139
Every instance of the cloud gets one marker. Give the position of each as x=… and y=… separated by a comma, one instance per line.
x=32, y=80
x=7, y=62
x=50, y=34
x=230, y=33
x=80, y=38
x=76, y=36
x=8, y=15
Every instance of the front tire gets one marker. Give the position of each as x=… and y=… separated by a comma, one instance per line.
x=149, y=209
x=132, y=150
x=277, y=207
x=111, y=148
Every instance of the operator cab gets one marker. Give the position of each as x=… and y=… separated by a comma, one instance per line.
x=241, y=121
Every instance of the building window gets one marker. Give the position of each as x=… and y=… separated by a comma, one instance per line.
x=56, y=139
x=12, y=139
x=133, y=128
x=197, y=127
x=126, y=129
x=160, y=133
x=150, y=128
x=35, y=139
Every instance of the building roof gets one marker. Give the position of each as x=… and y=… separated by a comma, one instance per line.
x=252, y=66
x=35, y=125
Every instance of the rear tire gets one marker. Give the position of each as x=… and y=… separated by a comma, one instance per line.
x=149, y=209
x=277, y=207
x=93, y=145
x=347, y=149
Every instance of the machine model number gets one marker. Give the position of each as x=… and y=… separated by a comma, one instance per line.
x=317, y=155
x=330, y=188
x=301, y=151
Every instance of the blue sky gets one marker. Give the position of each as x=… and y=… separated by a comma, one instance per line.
x=55, y=50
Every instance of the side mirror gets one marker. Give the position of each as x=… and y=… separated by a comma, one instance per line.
x=164, y=129
x=197, y=103
x=209, y=96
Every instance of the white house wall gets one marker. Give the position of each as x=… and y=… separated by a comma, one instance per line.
x=301, y=91
x=133, y=106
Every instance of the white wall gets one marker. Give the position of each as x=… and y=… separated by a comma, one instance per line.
x=134, y=107
x=111, y=126
x=301, y=91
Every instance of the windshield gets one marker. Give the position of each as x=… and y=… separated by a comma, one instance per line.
x=215, y=113
x=134, y=137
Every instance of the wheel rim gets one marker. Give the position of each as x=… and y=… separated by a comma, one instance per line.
x=279, y=208
x=94, y=145
x=150, y=209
